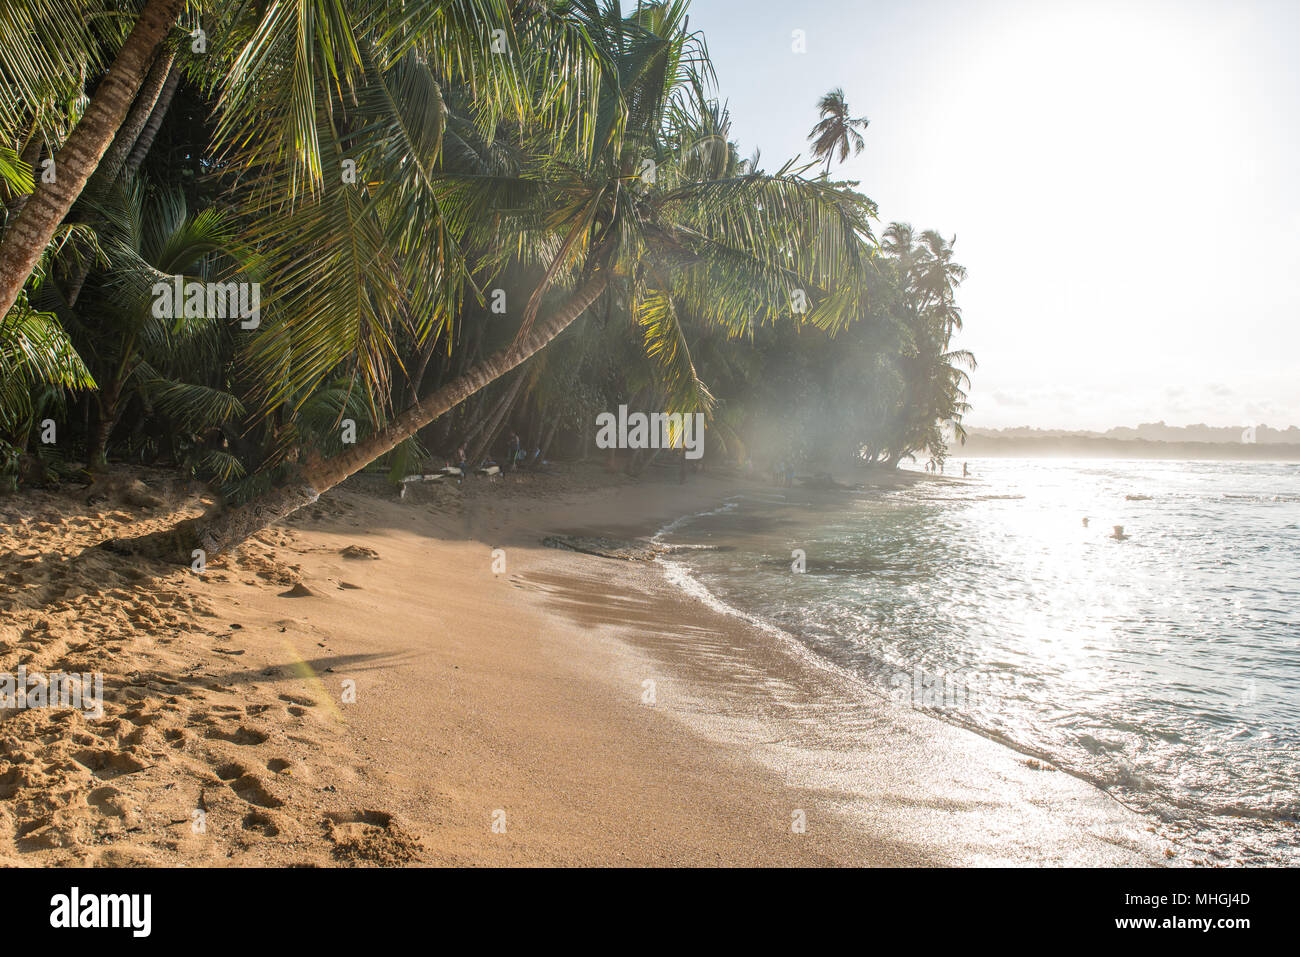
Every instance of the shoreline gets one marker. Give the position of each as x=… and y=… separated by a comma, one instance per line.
x=517, y=699
x=1091, y=814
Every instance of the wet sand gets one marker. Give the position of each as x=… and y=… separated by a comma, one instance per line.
x=421, y=705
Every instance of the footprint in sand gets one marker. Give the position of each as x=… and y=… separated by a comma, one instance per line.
x=108, y=764
x=261, y=822
x=241, y=735
x=370, y=837
x=108, y=801
x=248, y=786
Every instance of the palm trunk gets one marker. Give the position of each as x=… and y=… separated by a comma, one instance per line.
x=479, y=419
x=498, y=419
x=26, y=240
x=115, y=158
x=104, y=422
x=221, y=529
x=545, y=445
x=156, y=116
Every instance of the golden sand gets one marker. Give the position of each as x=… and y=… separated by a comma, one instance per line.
x=367, y=685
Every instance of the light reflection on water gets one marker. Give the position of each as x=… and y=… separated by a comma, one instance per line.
x=1164, y=667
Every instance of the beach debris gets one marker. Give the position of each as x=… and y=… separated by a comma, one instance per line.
x=639, y=550
x=424, y=477
x=358, y=551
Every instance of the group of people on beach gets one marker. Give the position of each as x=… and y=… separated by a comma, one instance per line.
x=937, y=466
x=517, y=457
x=783, y=473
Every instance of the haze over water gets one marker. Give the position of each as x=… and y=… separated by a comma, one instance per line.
x=1164, y=667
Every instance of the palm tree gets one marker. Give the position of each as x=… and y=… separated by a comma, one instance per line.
x=45, y=42
x=25, y=240
x=899, y=242
x=836, y=130
x=113, y=161
x=937, y=279
x=163, y=361
x=37, y=360
x=698, y=238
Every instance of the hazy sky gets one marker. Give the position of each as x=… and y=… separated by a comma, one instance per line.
x=1123, y=179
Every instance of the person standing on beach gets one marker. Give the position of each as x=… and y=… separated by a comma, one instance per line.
x=514, y=450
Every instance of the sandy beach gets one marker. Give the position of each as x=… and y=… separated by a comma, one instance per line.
x=366, y=685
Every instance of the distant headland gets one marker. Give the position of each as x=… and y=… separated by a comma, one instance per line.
x=1150, y=440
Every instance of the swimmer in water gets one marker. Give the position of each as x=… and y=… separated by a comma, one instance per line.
x=1085, y=521
x=1118, y=533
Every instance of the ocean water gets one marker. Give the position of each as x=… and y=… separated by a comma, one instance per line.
x=1164, y=667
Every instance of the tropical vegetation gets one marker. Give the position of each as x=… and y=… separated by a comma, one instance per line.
x=463, y=218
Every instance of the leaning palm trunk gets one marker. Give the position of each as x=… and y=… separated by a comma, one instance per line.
x=26, y=240
x=129, y=132
x=221, y=529
x=124, y=144
x=484, y=445
x=156, y=116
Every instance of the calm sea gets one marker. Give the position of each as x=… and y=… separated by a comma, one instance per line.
x=1164, y=667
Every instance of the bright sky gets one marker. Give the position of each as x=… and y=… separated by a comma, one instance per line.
x=1123, y=178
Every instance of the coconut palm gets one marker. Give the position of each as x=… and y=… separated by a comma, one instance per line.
x=26, y=238
x=173, y=364
x=937, y=279
x=836, y=131
x=642, y=210
x=271, y=94
x=37, y=361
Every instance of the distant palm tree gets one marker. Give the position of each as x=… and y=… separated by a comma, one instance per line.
x=938, y=278
x=836, y=131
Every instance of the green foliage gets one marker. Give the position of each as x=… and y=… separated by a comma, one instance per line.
x=380, y=168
